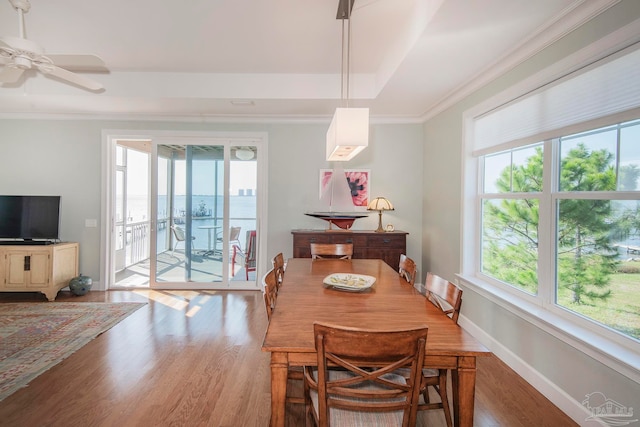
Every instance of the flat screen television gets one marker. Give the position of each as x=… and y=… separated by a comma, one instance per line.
x=29, y=217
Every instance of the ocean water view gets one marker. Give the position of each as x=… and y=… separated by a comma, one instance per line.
x=207, y=211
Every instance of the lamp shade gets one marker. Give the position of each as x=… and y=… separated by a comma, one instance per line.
x=348, y=133
x=380, y=204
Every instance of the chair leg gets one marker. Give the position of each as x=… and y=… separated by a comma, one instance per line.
x=307, y=402
x=442, y=390
x=233, y=262
x=425, y=395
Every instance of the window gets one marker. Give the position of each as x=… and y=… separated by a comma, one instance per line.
x=598, y=217
x=510, y=224
x=597, y=223
x=551, y=209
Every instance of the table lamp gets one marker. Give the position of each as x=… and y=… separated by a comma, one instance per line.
x=380, y=204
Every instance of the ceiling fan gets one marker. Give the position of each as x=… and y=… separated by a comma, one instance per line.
x=21, y=54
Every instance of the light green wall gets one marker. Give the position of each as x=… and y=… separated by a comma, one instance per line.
x=569, y=369
x=417, y=167
x=296, y=154
x=63, y=157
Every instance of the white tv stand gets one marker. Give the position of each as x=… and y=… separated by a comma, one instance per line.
x=38, y=268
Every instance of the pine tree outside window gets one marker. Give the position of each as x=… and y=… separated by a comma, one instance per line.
x=594, y=218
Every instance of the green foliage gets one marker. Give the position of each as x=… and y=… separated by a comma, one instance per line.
x=628, y=268
x=511, y=242
x=621, y=311
x=584, y=170
x=586, y=259
x=511, y=227
x=586, y=276
x=628, y=177
x=584, y=226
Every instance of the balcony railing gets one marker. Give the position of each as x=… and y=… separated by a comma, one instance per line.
x=137, y=240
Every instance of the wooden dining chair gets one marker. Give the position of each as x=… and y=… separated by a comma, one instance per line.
x=407, y=269
x=331, y=250
x=448, y=298
x=444, y=295
x=278, y=266
x=270, y=294
x=354, y=383
x=269, y=291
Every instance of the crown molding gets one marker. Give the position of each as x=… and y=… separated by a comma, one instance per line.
x=191, y=118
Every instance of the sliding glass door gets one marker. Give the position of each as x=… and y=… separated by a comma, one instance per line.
x=199, y=206
x=206, y=222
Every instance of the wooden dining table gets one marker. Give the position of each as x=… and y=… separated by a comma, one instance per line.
x=391, y=303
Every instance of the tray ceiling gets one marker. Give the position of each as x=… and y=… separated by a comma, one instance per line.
x=279, y=59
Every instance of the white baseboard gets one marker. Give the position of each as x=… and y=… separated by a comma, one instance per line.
x=574, y=409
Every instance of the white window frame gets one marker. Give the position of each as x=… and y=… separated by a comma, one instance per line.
x=543, y=206
x=610, y=348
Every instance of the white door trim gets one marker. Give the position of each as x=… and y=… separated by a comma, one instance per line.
x=109, y=138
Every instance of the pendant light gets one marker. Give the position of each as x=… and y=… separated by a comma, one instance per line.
x=348, y=132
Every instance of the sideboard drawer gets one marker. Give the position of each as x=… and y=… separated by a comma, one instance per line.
x=385, y=240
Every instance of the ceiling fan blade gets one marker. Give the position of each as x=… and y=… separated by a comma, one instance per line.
x=91, y=63
x=10, y=74
x=4, y=44
x=76, y=79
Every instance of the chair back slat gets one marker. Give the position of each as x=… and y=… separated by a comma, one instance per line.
x=234, y=234
x=441, y=290
x=407, y=269
x=278, y=266
x=178, y=232
x=335, y=250
x=250, y=260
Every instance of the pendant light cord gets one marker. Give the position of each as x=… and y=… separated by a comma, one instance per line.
x=348, y=50
x=342, y=67
x=344, y=90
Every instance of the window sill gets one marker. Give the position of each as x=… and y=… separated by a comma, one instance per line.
x=618, y=357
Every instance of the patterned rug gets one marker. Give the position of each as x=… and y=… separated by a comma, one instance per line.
x=36, y=336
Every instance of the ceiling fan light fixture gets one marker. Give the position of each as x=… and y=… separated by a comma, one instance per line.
x=244, y=153
x=20, y=62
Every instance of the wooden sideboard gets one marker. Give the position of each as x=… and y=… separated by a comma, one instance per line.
x=38, y=268
x=366, y=244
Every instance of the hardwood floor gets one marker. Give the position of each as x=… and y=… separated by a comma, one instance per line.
x=193, y=358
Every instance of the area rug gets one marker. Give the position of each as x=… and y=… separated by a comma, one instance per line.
x=36, y=336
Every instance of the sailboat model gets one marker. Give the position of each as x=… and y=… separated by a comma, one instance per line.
x=337, y=196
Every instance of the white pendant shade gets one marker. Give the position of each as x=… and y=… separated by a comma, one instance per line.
x=348, y=133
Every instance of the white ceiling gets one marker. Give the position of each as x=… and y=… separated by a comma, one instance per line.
x=186, y=59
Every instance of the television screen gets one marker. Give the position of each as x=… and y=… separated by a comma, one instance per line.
x=29, y=217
